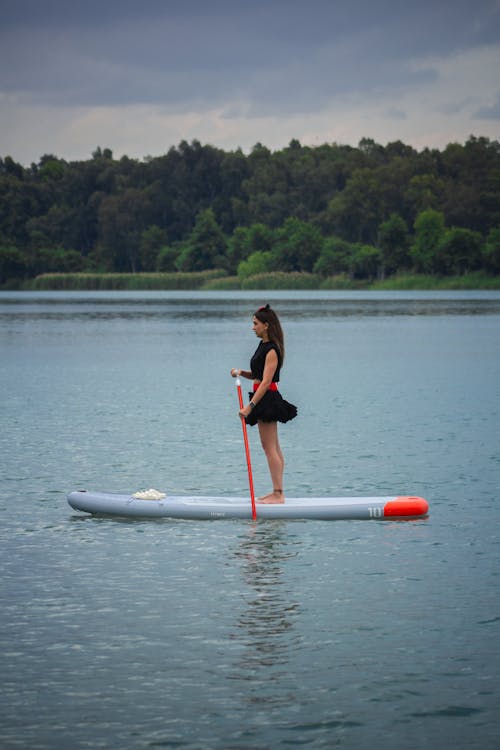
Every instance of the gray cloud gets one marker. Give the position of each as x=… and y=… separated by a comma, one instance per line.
x=394, y=113
x=489, y=112
x=280, y=56
x=141, y=76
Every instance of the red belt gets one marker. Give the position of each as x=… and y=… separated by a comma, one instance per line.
x=272, y=387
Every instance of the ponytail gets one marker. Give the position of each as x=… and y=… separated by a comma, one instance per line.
x=274, y=331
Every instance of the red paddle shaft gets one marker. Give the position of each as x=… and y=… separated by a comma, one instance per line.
x=247, y=451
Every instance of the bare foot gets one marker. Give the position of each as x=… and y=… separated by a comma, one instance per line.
x=274, y=497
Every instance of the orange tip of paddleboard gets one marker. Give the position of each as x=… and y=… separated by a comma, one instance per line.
x=406, y=506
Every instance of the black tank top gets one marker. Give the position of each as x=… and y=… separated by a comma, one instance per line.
x=259, y=359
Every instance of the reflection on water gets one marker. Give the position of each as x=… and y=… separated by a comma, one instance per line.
x=233, y=305
x=230, y=634
x=265, y=623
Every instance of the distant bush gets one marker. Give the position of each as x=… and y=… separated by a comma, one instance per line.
x=282, y=280
x=343, y=281
x=474, y=280
x=123, y=281
x=409, y=282
x=257, y=263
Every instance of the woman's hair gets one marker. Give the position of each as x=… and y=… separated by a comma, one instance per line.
x=275, y=332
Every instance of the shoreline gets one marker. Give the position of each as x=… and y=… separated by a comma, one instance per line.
x=218, y=281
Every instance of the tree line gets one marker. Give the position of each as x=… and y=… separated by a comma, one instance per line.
x=368, y=212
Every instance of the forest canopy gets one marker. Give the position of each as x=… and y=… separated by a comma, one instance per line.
x=367, y=212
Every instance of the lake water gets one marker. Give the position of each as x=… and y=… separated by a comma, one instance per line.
x=234, y=634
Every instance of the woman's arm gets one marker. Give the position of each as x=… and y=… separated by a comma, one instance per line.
x=241, y=373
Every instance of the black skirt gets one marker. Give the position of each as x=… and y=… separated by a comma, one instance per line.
x=271, y=408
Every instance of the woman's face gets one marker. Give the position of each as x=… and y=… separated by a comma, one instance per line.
x=260, y=328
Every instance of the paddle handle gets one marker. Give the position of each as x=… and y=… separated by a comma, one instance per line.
x=247, y=450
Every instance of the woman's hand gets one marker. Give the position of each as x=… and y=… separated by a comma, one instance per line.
x=243, y=413
x=235, y=373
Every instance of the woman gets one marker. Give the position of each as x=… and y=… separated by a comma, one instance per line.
x=267, y=407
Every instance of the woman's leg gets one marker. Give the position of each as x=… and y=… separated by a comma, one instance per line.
x=268, y=432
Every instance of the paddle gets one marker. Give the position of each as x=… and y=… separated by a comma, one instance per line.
x=247, y=450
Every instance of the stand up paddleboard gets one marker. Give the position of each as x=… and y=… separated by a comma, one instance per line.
x=207, y=508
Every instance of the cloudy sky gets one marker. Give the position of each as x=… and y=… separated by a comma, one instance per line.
x=139, y=76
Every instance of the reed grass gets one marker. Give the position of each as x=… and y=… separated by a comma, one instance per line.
x=469, y=281
x=222, y=284
x=342, y=281
x=282, y=280
x=123, y=281
x=218, y=280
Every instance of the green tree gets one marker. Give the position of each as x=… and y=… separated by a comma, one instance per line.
x=459, y=251
x=206, y=246
x=259, y=237
x=429, y=230
x=491, y=252
x=393, y=244
x=230, y=205
x=51, y=168
x=365, y=261
x=12, y=264
x=54, y=260
x=10, y=167
x=266, y=188
x=152, y=240
x=21, y=200
x=122, y=219
x=101, y=207
x=297, y=246
x=358, y=210
x=237, y=248
x=374, y=152
x=167, y=259
x=335, y=257
x=472, y=177
x=425, y=191
x=247, y=240
x=257, y=262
